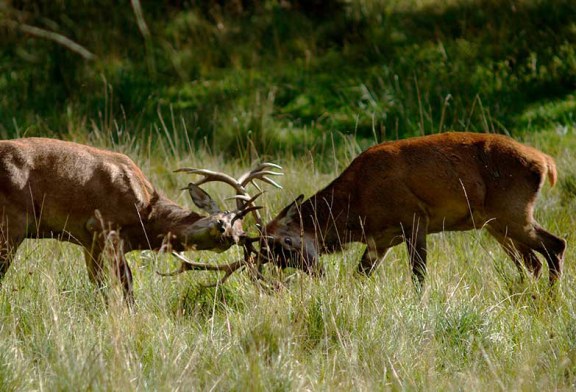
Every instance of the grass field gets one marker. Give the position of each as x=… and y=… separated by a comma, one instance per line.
x=475, y=327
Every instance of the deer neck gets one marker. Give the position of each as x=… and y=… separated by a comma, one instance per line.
x=325, y=216
x=168, y=222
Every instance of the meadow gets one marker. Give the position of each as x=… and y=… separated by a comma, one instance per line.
x=308, y=89
x=475, y=326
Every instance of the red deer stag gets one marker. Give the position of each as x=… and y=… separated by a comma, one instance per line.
x=401, y=191
x=101, y=200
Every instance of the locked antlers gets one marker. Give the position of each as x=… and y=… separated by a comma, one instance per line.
x=260, y=172
x=245, y=205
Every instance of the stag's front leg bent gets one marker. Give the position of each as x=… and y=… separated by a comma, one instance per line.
x=371, y=259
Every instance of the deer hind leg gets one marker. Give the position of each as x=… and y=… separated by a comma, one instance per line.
x=415, y=237
x=533, y=237
x=519, y=253
x=552, y=248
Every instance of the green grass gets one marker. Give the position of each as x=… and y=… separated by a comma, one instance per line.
x=475, y=326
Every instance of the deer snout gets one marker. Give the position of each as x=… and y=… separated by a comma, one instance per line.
x=218, y=232
x=290, y=252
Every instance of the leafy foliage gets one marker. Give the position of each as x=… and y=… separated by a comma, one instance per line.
x=287, y=74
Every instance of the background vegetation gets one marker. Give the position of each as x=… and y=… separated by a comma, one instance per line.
x=308, y=84
x=285, y=74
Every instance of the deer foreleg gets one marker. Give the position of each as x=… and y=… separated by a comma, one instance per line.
x=415, y=236
x=9, y=242
x=109, y=246
x=115, y=251
x=371, y=258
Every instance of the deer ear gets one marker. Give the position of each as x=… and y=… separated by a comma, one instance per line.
x=292, y=212
x=202, y=199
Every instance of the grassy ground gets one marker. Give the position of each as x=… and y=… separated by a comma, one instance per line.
x=475, y=326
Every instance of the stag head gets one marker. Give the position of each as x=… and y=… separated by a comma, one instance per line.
x=220, y=229
x=226, y=223
x=285, y=244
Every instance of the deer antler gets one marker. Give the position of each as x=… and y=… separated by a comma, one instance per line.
x=229, y=269
x=187, y=265
x=259, y=172
x=245, y=205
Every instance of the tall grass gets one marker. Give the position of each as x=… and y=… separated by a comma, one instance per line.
x=476, y=326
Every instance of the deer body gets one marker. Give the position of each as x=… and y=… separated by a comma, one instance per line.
x=401, y=191
x=56, y=189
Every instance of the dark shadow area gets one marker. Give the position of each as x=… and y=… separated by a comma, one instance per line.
x=284, y=74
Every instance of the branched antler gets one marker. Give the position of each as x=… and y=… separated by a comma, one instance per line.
x=245, y=205
x=188, y=265
x=243, y=199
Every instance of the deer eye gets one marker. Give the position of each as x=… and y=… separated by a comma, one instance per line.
x=221, y=226
x=288, y=241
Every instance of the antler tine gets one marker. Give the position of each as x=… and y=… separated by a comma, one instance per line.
x=212, y=176
x=246, y=197
x=228, y=269
x=265, y=179
x=187, y=265
x=241, y=214
x=260, y=172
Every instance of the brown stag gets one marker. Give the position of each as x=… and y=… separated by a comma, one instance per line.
x=102, y=201
x=401, y=191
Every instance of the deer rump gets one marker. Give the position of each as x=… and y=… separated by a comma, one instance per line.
x=401, y=191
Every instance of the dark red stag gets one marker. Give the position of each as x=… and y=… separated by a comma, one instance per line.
x=402, y=191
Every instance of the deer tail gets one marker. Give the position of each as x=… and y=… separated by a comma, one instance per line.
x=551, y=169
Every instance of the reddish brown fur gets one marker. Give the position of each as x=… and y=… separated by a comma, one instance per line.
x=402, y=191
x=52, y=188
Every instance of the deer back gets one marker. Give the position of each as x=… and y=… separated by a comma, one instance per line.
x=60, y=184
x=446, y=176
